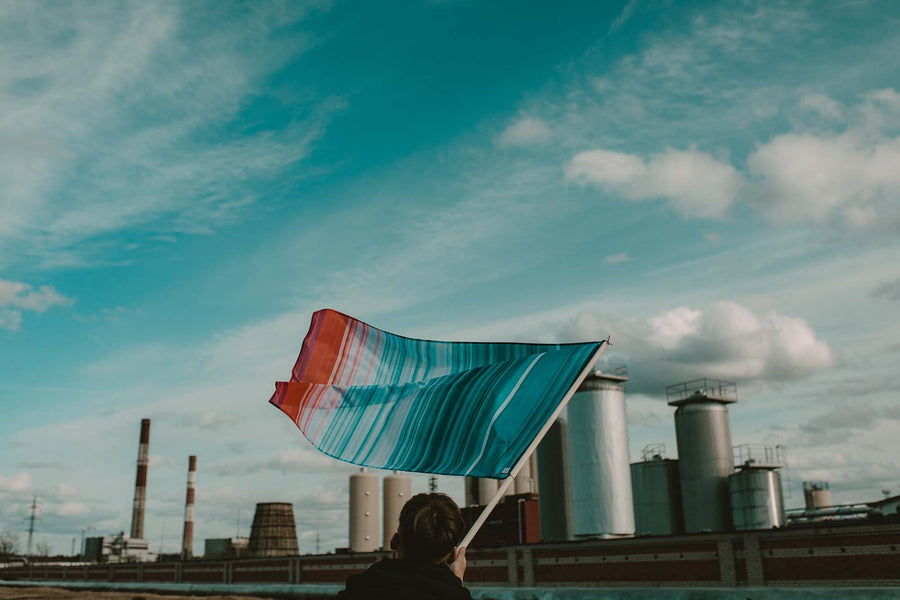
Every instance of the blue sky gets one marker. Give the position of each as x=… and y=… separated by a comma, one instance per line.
x=714, y=184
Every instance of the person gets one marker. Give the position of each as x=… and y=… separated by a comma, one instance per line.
x=428, y=563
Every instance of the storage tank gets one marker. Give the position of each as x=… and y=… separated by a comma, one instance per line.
x=657, y=494
x=598, y=454
x=273, y=532
x=363, y=511
x=526, y=480
x=554, y=486
x=756, y=498
x=397, y=490
x=705, y=458
x=817, y=494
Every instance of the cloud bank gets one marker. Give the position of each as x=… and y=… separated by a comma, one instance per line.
x=725, y=341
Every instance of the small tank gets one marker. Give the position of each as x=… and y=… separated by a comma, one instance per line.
x=657, y=493
x=756, y=498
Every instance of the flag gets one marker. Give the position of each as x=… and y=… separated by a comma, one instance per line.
x=386, y=401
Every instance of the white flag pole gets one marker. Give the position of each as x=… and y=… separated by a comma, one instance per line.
x=534, y=444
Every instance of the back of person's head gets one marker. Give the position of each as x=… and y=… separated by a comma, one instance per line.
x=430, y=527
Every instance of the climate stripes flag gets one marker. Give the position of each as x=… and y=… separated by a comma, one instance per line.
x=382, y=400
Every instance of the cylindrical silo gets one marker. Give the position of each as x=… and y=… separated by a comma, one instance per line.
x=363, y=511
x=274, y=532
x=598, y=454
x=817, y=494
x=397, y=490
x=756, y=500
x=526, y=479
x=657, y=496
x=705, y=459
x=487, y=488
x=554, y=486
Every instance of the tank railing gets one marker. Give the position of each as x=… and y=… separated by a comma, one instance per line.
x=651, y=451
x=613, y=369
x=703, y=386
x=815, y=486
x=759, y=454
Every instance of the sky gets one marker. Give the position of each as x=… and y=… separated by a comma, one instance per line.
x=714, y=185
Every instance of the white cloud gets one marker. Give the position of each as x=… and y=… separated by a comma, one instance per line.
x=72, y=509
x=20, y=482
x=525, y=131
x=16, y=296
x=725, y=340
x=852, y=176
x=121, y=116
x=823, y=105
x=615, y=259
x=693, y=183
x=213, y=419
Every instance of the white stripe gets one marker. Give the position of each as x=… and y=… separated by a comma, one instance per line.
x=502, y=407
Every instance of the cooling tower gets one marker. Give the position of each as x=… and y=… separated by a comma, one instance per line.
x=187, y=538
x=363, y=511
x=274, y=532
x=705, y=459
x=598, y=454
x=397, y=490
x=140, y=484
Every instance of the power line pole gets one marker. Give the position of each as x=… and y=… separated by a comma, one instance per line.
x=31, y=521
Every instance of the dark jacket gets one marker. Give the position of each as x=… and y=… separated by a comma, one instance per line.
x=403, y=579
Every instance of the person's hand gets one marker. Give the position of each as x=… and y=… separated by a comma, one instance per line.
x=458, y=566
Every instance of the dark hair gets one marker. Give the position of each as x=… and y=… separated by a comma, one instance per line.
x=430, y=527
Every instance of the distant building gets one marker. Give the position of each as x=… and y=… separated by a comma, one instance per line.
x=226, y=548
x=117, y=548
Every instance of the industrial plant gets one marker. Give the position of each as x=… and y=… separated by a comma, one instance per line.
x=578, y=513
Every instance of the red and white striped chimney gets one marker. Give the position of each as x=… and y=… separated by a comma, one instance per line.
x=187, y=540
x=140, y=484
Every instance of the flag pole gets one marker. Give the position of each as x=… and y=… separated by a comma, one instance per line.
x=528, y=452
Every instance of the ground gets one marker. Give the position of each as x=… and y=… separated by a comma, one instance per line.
x=52, y=593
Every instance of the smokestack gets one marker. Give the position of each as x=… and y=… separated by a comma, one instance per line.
x=140, y=484
x=187, y=540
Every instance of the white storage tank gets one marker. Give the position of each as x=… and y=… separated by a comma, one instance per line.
x=598, y=454
x=756, y=498
x=816, y=494
x=705, y=457
x=397, y=490
x=363, y=511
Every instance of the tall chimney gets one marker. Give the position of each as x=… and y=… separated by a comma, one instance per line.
x=187, y=540
x=140, y=484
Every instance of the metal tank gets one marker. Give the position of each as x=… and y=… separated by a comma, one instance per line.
x=657, y=493
x=363, y=511
x=554, y=486
x=397, y=490
x=526, y=480
x=705, y=459
x=756, y=498
x=817, y=494
x=598, y=454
